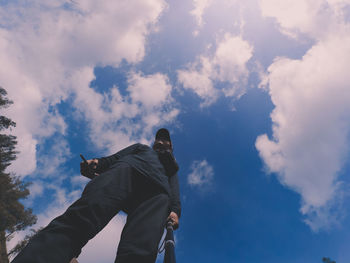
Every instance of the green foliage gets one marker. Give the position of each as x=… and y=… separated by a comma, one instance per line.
x=5, y=122
x=23, y=243
x=328, y=260
x=13, y=215
x=7, y=151
x=4, y=101
x=7, y=142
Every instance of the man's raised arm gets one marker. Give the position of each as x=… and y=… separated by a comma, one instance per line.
x=99, y=165
x=175, y=203
x=105, y=162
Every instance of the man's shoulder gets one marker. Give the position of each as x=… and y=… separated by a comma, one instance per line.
x=141, y=146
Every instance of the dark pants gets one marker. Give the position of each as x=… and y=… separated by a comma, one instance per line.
x=120, y=188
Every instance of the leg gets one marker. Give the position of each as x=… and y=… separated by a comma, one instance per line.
x=143, y=230
x=63, y=238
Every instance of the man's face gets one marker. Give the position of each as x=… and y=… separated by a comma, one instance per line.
x=162, y=145
x=164, y=150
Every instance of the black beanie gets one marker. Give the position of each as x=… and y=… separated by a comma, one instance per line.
x=163, y=134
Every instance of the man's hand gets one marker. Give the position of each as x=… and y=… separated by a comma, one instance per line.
x=88, y=169
x=93, y=163
x=174, y=219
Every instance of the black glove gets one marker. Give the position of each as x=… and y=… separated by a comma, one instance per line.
x=88, y=170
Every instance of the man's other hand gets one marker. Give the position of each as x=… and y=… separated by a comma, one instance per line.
x=174, y=219
x=93, y=163
x=88, y=169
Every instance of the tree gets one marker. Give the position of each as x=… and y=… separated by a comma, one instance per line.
x=13, y=215
x=5, y=123
x=24, y=242
x=328, y=260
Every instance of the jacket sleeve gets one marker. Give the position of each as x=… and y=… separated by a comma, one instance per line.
x=105, y=162
x=175, y=204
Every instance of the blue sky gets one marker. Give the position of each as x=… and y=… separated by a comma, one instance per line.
x=255, y=94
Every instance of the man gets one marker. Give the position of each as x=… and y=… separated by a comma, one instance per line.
x=138, y=180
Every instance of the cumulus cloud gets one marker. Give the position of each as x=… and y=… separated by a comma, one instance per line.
x=35, y=189
x=228, y=64
x=103, y=248
x=50, y=163
x=231, y=57
x=79, y=180
x=151, y=91
x=315, y=18
x=202, y=174
x=198, y=79
x=198, y=10
x=311, y=125
x=50, y=168
x=48, y=52
x=121, y=119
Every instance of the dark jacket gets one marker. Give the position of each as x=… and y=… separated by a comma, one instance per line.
x=145, y=160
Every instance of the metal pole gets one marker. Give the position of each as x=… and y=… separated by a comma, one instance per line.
x=169, y=244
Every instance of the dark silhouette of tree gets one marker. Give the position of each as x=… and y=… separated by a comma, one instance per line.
x=13, y=215
x=5, y=123
x=328, y=260
x=24, y=242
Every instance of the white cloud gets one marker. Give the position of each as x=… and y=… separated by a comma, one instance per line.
x=48, y=50
x=202, y=174
x=199, y=80
x=308, y=148
x=311, y=125
x=228, y=64
x=51, y=162
x=103, y=247
x=46, y=46
x=316, y=18
x=209, y=13
x=199, y=8
x=79, y=180
x=35, y=189
x=151, y=91
x=123, y=119
x=231, y=57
